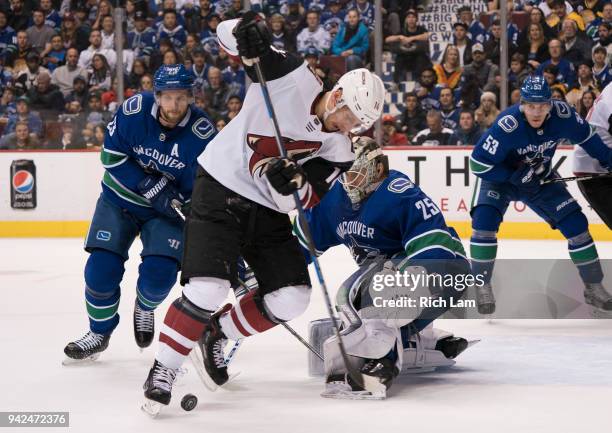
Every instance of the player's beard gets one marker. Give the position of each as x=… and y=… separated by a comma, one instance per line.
x=170, y=118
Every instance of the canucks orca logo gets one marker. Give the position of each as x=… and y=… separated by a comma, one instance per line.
x=361, y=253
x=23, y=181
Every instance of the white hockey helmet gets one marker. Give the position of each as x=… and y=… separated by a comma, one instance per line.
x=363, y=93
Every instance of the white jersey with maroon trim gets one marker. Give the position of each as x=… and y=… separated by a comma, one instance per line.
x=237, y=156
x=599, y=117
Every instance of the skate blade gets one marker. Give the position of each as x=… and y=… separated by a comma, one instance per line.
x=198, y=366
x=372, y=385
x=152, y=408
x=472, y=343
x=341, y=394
x=69, y=362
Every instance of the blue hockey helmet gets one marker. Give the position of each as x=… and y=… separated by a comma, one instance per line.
x=172, y=77
x=535, y=89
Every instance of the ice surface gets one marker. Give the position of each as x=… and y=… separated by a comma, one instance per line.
x=525, y=376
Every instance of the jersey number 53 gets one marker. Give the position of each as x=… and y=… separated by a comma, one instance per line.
x=490, y=145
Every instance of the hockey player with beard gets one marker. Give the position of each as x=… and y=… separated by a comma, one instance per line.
x=511, y=160
x=597, y=191
x=149, y=155
x=390, y=225
x=242, y=194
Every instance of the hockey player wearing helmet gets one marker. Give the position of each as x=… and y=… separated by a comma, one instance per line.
x=149, y=157
x=511, y=160
x=378, y=214
x=243, y=193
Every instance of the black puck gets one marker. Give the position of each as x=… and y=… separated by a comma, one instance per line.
x=189, y=402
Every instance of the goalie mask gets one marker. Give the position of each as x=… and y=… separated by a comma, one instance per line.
x=363, y=178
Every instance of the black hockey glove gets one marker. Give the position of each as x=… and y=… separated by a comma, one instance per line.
x=162, y=194
x=252, y=36
x=528, y=177
x=285, y=175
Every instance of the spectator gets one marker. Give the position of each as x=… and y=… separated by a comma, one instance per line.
x=467, y=132
x=217, y=91
x=196, y=18
x=426, y=89
x=435, y=134
x=448, y=109
x=469, y=94
x=606, y=18
x=79, y=92
x=515, y=96
x=17, y=59
x=54, y=54
x=487, y=112
x=96, y=140
x=8, y=36
x=157, y=57
x=27, y=78
x=577, y=48
x=107, y=32
x=39, y=34
x=352, y=41
x=334, y=15
x=314, y=35
x=220, y=124
x=584, y=82
x=586, y=102
x=21, y=139
x=518, y=71
x=476, y=31
x=171, y=57
x=481, y=67
x=146, y=83
x=536, y=16
x=492, y=45
x=462, y=42
x=192, y=42
x=104, y=8
x=95, y=47
x=95, y=113
x=601, y=70
x=7, y=105
x=294, y=17
x=535, y=46
x=411, y=47
x=199, y=67
x=390, y=135
x=234, y=104
x=312, y=58
x=413, y=117
x=23, y=114
x=71, y=137
x=234, y=74
x=547, y=8
x=449, y=69
x=138, y=70
x=235, y=10
x=208, y=37
x=109, y=98
x=46, y=98
x=565, y=74
x=18, y=16
x=172, y=30
x=73, y=35
x=100, y=74
x=557, y=93
x=281, y=39
x=52, y=18
x=560, y=13
x=141, y=39
x=366, y=12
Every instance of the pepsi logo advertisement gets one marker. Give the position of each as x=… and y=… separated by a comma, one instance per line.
x=23, y=184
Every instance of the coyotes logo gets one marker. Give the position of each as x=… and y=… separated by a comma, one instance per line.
x=265, y=148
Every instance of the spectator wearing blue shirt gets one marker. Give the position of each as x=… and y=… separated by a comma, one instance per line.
x=54, y=54
x=366, y=12
x=23, y=114
x=476, y=31
x=235, y=73
x=601, y=70
x=352, y=41
x=172, y=30
x=8, y=36
x=208, y=37
x=52, y=18
x=566, y=73
x=142, y=39
x=334, y=15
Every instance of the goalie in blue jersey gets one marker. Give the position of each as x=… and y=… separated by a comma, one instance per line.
x=511, y=161
x=390, y=226
x=149, y=156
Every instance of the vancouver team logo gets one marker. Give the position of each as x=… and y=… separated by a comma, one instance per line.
x=23, y=181
x=265, y=148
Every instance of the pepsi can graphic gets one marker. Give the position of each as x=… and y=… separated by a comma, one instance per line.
x=23, y=184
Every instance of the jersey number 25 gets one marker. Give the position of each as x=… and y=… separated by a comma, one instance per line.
x=428, y=208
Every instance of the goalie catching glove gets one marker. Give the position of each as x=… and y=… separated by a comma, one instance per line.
x=285, y=175
x=162, y=194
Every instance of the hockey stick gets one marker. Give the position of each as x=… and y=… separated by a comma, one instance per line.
x=228, y=359
x=573, y=178
x=301, y=340
x=353, y=373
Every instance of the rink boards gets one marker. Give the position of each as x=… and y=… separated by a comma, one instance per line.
x=68, y=183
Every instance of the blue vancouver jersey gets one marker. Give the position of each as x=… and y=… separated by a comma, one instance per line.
x=136, y=145
x=397, y=219
x=512, y=141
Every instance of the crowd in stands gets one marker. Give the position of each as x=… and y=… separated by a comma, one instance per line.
x=58, y=80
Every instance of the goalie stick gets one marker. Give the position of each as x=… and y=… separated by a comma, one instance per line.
x=352, y=371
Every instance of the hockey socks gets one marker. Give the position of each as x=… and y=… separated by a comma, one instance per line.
x=247, y=317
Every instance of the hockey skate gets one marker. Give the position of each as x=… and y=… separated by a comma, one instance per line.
x=158, y=388
x=376, y=373
x=85, y=349
x=144, y=326
x=485, y=300
x=452, y=347
x=596, y=295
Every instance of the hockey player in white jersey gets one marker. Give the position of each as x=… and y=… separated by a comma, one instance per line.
x=597, y=191
x=242, y=194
